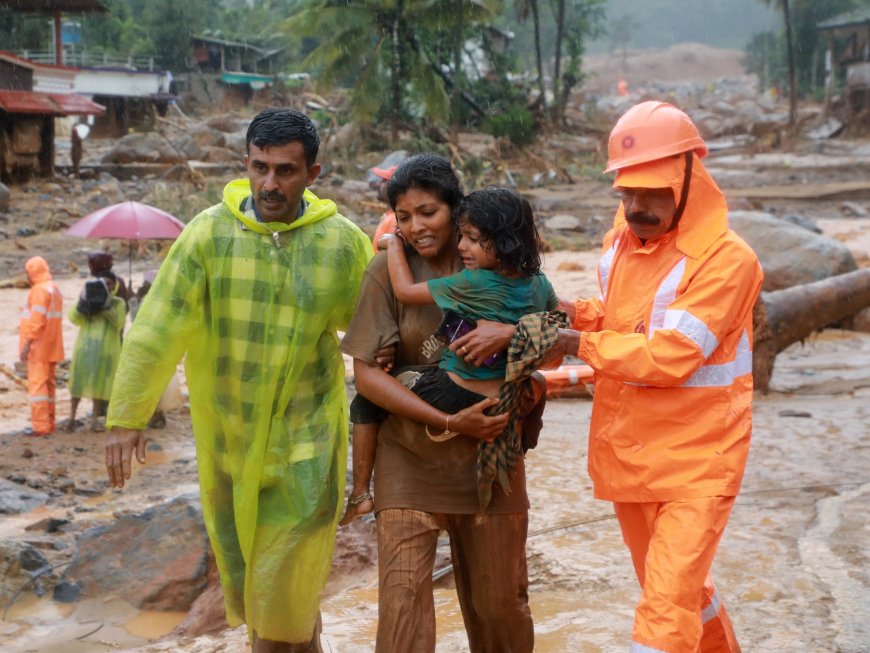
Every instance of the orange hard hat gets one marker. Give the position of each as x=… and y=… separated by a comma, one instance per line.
x=649, y=131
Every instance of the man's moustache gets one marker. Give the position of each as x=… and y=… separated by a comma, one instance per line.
x=271, y=197
x=643, y=219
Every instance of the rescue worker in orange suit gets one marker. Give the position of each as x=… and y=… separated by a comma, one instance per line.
x=387, y=225
x=40, y=343
x=670, y=340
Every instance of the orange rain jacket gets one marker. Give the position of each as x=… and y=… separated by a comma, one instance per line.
x=670, y=341
x=42, y=318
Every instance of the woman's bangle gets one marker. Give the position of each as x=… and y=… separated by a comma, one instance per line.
x=445, y=435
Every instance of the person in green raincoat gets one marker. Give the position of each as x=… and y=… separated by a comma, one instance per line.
x=96, y=353
x=253, y=293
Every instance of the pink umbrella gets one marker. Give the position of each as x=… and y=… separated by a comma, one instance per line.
x=128, y=221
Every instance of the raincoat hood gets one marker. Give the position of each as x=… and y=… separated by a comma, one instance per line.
x=705, y=218
x=37, y=270
x=237, y=191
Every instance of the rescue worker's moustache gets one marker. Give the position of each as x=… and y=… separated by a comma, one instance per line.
x=642, y=219
x=271, y=196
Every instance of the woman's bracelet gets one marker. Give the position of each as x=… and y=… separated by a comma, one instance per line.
x=445, y=435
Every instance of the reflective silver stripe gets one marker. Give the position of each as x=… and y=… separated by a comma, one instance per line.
x=694, y=329
x=718, y=376
x=35, y=399
x=642, y=648
x=712, y=610
x=665, y=295
x=53, y=314
x=604, y=267
x=39, y=309
x=724, y=375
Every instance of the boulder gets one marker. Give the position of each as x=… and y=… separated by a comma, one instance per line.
x=235, y=141
x=564, y=222
x=220, y=155
x=143, y=147
x=22, y=566
x=790, y=254
x=205, y=136
x=15, y=498
x=157, y=559
x=228, y=122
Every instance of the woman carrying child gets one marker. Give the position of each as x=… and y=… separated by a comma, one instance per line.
x=424, y=486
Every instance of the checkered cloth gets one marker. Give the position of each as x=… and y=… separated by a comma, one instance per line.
x=535, y=335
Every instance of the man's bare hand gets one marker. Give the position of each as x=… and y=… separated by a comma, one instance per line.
x=474, y=423
x=120, y=444
x=487, y=339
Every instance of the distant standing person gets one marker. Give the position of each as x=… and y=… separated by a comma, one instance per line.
x=253, y=292
x=99, y=263
x=75, y=152
x=98, y=347
x=40, y=343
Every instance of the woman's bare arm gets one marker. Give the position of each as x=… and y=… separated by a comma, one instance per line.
x=384, y=390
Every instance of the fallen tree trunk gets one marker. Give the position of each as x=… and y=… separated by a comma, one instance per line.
x=786, y=316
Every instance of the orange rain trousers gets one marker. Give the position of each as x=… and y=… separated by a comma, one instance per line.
x=672, y=546
x=41, y=389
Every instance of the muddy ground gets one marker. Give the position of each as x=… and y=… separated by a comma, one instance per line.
x=792, y=567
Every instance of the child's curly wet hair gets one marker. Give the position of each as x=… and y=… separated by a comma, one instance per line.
x=507, y=227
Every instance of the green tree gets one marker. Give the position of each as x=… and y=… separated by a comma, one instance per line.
x=525, y=8
x=799, y=42
x=373, y=46
x=578, y=21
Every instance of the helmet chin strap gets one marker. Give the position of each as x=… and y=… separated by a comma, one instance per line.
x=684, y=194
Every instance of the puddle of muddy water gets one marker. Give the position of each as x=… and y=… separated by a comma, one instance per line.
x=41, y=625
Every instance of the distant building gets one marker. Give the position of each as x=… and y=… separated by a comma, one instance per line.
x=31, y=96
x=228, y=74
x=853, y=30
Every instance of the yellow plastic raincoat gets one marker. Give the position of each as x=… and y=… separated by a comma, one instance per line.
x=257, y=316
x=97, y=349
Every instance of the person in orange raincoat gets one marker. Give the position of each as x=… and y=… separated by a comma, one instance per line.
x=387, y=225
x=40, y=343
x=670, y=340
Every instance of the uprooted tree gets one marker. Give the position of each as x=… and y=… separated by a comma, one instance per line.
x=783, y=317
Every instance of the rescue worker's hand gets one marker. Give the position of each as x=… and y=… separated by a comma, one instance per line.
x=474, y=423
x=385, y=357
x=569, y=307
x=120, y=444
x=566, y=345
x=487, y=339
x=25, y=352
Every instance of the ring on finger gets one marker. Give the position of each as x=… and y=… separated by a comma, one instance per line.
x=464, y=350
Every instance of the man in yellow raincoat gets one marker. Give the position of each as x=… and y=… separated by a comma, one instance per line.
x=40, y=343
x=253, y=292
x=670, y=340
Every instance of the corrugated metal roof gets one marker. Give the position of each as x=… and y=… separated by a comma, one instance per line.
x=50, y=6
x=15, y=60
x=851, y=19
x=58, y=104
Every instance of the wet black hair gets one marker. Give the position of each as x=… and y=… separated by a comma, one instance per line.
x=507, y=227
x=278, y=126
x=429, y=172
